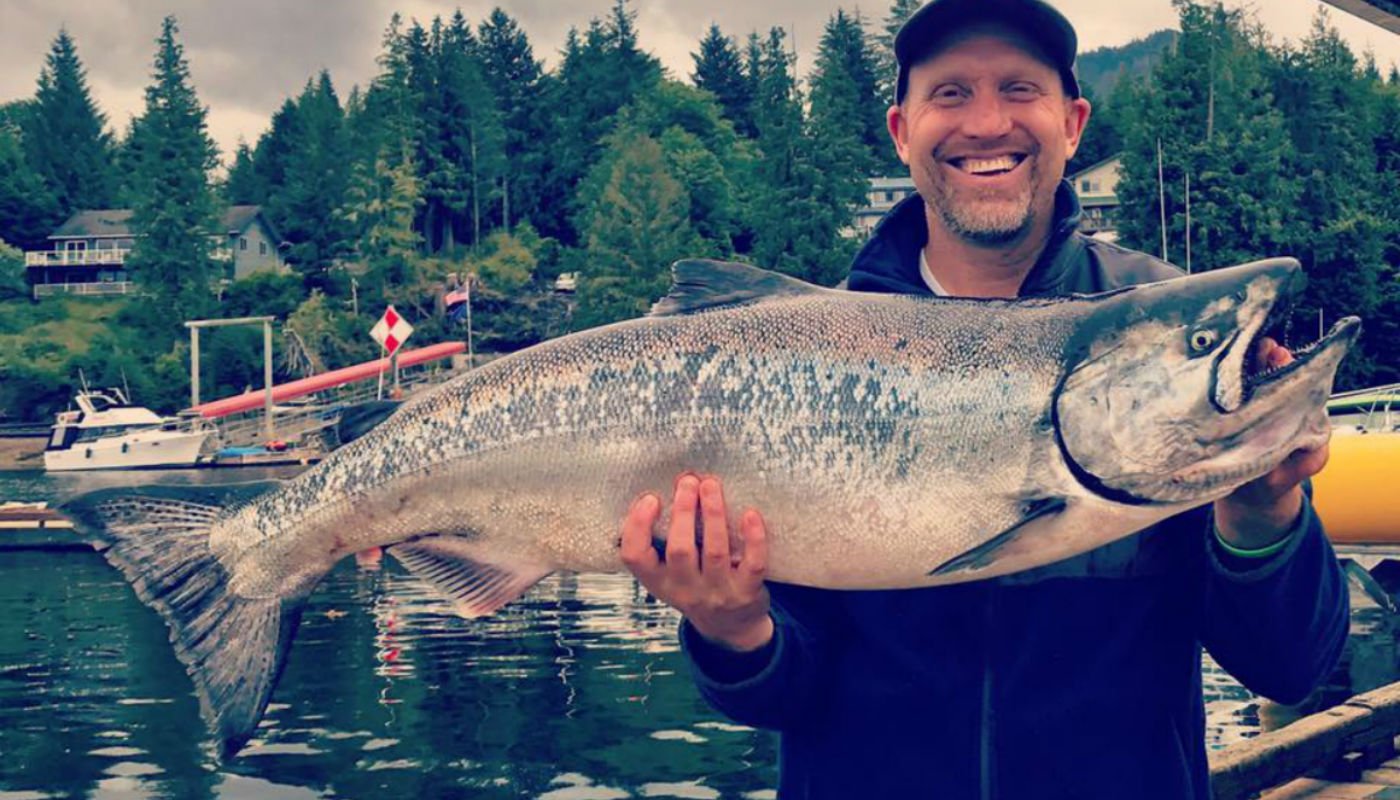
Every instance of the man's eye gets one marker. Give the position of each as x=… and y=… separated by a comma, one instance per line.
x=947, y=94
x=1021, y=90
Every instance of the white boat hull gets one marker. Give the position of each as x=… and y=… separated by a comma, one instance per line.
x=142, y=450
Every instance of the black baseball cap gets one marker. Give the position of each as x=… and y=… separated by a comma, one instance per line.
x=1038, y=21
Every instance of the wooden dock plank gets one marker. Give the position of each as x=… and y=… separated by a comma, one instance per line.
x=1340, y=743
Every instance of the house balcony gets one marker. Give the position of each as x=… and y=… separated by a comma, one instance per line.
x=76, y=258
x=88, y=289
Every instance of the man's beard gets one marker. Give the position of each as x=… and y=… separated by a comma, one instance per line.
x=988, y=221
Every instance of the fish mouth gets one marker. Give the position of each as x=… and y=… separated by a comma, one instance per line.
x=1241, y=376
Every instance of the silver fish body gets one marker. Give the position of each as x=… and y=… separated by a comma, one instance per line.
x=889, y=442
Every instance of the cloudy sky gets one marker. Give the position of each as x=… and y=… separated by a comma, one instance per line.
x=246, y=57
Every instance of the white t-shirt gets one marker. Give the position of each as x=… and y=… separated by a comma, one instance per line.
x=930, y=281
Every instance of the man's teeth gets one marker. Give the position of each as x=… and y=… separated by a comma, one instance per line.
x=981, y=166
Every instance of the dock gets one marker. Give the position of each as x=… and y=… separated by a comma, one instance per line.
x=1347, y=751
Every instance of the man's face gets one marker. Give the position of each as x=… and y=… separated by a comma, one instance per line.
x=986, y=130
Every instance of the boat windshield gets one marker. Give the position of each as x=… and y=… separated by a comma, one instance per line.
x=104, y=431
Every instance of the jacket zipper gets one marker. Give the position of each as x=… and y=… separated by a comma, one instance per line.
x=985, y=752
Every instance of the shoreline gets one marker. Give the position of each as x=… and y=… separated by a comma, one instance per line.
x=25, y=453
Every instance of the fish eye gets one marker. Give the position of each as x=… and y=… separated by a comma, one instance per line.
x=1202, y=340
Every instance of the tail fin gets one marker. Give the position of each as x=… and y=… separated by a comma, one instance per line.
x=234, y=648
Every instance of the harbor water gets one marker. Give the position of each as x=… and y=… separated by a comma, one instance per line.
x=576, y=692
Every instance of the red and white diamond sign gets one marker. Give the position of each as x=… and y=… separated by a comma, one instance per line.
x=391, y=331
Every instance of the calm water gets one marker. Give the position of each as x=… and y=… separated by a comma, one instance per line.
x=577, y=692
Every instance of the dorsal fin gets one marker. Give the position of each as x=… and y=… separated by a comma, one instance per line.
x=698, y=284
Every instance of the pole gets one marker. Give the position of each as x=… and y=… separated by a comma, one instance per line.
x=267, y=381
x=1162, y=200
x=379, y=392
x=354, y=296
x=1188, y=223
x=194, y=367
x=471, y=357
x=394, y=365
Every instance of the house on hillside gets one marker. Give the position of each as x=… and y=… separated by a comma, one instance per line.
x=883, y=194
x=1097, y=187
x=87, y=254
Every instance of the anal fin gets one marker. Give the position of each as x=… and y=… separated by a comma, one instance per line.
x=986, y=553
x=457, y=568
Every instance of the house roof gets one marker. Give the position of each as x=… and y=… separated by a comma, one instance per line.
x=117, y=222
x=1094, y=166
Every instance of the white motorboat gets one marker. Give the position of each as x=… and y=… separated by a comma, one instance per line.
x=108, y=432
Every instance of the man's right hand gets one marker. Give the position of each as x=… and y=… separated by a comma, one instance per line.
x=723, y=598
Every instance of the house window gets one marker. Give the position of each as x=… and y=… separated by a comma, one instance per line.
x=262, y=248
x=1086, y=185
x=243, y=243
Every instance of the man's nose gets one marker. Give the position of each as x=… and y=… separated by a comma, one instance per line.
x=986, y=117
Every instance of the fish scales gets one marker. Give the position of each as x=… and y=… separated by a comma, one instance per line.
x=782, y=398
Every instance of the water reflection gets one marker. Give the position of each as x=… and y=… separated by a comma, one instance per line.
x=386, y=693
x=1370, y=660
x=577, y=691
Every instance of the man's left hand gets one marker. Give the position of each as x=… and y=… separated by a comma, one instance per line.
x=1262, y=511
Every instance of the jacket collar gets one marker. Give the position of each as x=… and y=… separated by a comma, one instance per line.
x=889, y=262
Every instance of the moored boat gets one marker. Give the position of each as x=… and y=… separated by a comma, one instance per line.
x=107, y=431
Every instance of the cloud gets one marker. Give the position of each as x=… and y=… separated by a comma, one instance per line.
x=247, y=57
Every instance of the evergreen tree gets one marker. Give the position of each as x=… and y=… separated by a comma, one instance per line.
x=307, y=208
x=641, y=227
x=65, y=135
x=1210, y=108
x=845, y=92
x=886, y=66
x=243, y=186
x=27, y=207
x=794, y=229
x=463, y=152
x=601, y=72
x=719, y=70
x=274, y=153
x=702, y=151
x=517, y=80
x=173, y=215
x=1336, y=228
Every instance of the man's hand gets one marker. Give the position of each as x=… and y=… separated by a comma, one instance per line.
x=724, y=599
x=1259, y=513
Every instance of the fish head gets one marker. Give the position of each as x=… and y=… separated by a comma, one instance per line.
x=1162, y=403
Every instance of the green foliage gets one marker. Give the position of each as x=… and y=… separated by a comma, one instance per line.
x=307, y=205
x=12, y=282
x=719, y=70
x=1290, y=151
x=173, y=215
x=639, y=227
x=263, y=294
x=65, y=136
x=243, y=186
x=602, y=72
x=517, y=80
x=28, y=209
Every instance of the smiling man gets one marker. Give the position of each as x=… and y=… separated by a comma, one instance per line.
x=1077, y=680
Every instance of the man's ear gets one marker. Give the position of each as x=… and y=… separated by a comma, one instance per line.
x=898, y=126
x=1077, y=113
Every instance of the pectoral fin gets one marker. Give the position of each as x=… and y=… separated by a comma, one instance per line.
x=983, y=555
x=458, y=568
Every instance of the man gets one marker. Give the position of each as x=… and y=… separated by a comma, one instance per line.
x=1079, y=679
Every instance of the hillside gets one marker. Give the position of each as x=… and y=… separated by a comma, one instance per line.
x=1101, y=69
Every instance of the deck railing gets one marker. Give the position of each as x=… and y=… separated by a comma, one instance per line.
x=76, y=258
x=90, y=289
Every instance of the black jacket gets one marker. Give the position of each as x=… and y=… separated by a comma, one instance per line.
x=1081, y=679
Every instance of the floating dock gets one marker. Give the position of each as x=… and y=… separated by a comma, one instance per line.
x=1347, y=751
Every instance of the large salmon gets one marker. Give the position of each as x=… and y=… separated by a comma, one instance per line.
x=889, y=441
